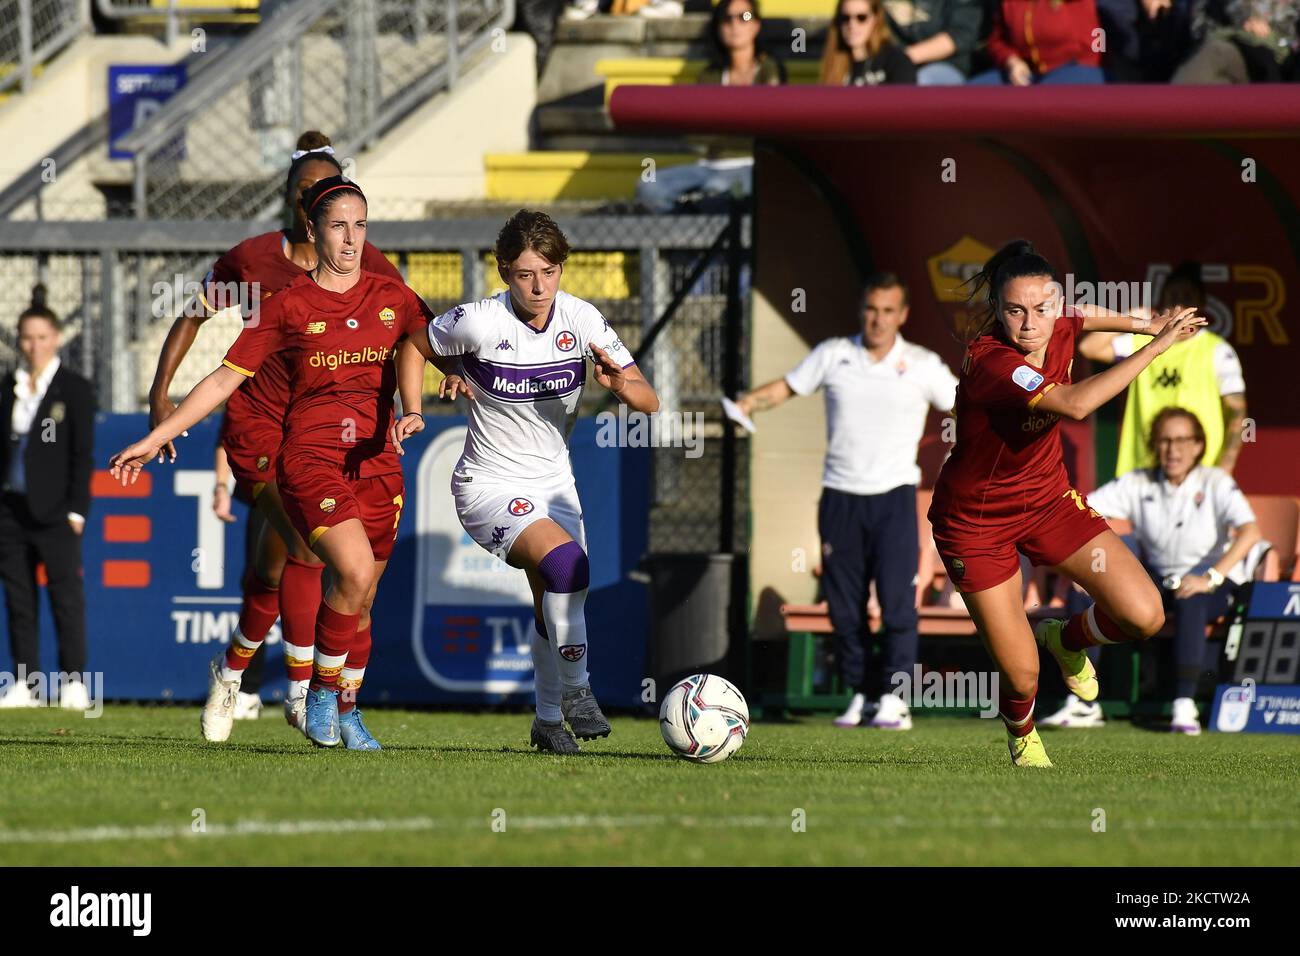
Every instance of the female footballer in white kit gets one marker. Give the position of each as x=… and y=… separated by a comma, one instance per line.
x=522, y=362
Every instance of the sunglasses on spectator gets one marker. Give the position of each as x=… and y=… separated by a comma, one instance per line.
x=733, y=17
x=844, y=18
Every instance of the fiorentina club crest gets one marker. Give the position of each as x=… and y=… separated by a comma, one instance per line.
x=565, y=341
x=520, y=506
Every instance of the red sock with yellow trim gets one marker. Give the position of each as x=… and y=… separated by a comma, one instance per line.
x=335, y=633
x=354, y=671
x=300, y=599
x=260, y=608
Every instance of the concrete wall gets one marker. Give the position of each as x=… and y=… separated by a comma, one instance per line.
x=437, y=152
x=797, y=246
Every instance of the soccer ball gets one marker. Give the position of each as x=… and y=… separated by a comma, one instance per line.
x=704, y=718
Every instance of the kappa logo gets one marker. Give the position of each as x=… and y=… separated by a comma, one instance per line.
x=328, y=505
x=505, y=346
x=520, y=506
x=573, y=652
x=1169, y=378
x=565, y=341
x=499, y=534
x=1027, y=378
x=388, y=317
x=315, y=328
x=455, y=315
x=262, y=462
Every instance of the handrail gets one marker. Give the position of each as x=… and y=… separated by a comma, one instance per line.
x=173, y=13
x=31, y=55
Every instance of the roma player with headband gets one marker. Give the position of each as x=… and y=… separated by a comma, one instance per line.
x=286, y=577
x=337, y=327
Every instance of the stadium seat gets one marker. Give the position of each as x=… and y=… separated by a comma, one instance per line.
x=1279, y=523
x=548, y=175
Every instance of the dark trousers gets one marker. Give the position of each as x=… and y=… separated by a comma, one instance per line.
x=1191, y=650
x=869, y=538
x=24, y=543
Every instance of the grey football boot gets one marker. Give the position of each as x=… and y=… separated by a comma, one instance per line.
x=552, y=737
x=583, y=714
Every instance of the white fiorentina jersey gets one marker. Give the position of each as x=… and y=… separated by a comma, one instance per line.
x=526, y=382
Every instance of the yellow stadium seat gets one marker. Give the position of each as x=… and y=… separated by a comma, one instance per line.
x=545, y=176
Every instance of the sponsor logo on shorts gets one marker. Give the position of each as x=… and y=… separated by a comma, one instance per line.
x=1027, y=378
x=958, y=569
x=262, y=462
x=564, y=341
x=315, y=328
x=520, y=506
x=388, y=317
x=328, y=505
x=573, y=652
x=352, y=323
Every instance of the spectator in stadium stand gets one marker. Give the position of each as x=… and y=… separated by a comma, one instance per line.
x=1044, y=41
x=1202, y=373
x=1146, y=40
x=938, y=36
x=739, y=58
x=1255, y=44
x=1194, y=530
x=859, y=50
x=45, y=467
x=879, y=388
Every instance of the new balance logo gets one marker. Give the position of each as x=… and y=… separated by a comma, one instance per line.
x=505, y=346
x=315, y=328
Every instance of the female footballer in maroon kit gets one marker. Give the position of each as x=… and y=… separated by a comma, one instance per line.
x=338, y=473
x=1005, y=486
x=286, y=579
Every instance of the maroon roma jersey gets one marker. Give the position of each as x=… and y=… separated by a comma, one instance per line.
x=339, y=349
x=259, y=266
x=1007, y=463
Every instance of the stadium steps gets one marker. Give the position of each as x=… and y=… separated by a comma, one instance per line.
x=592, y=56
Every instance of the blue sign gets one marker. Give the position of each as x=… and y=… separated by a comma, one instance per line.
x=451, y=624
x=1274, y=600
x=134, y=94
x=1256, y=709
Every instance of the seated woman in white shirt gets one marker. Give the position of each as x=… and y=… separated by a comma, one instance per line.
x=1192, y=528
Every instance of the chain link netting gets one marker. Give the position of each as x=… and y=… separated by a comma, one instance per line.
x=52, y=24
x=348, y=73
x=118, y=305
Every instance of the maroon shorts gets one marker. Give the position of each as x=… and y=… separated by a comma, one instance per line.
x=252, y=462
x=979, y=558
x=318, y=499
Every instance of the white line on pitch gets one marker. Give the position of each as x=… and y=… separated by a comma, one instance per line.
x=103, y=834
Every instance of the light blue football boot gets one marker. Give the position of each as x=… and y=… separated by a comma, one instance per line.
x=355, y=734
x=323, y=717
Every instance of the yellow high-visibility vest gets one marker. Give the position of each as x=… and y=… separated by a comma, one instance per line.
x=1183, y=376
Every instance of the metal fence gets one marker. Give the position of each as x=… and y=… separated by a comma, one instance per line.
x=217, y=149
x=32, y=31
x=674, y=287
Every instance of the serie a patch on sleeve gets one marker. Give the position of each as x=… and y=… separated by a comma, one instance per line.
x=1027, y=378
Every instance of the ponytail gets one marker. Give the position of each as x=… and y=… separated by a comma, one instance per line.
x=1016, y=260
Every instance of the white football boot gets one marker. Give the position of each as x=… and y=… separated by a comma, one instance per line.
x=852, y=717
x=74, y=696
x=1186, y=719
x=1075, y=714
x=247, y=707
x=218, y=715
x=17, y=696
x=892, y=713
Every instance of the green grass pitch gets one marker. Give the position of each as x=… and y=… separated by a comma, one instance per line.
x=134, y=786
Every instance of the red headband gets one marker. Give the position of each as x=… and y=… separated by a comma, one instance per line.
x=316, y=201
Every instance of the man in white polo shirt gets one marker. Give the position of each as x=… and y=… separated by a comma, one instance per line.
x=879, y=388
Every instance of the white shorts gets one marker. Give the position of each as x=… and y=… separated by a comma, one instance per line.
x=494, y=515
